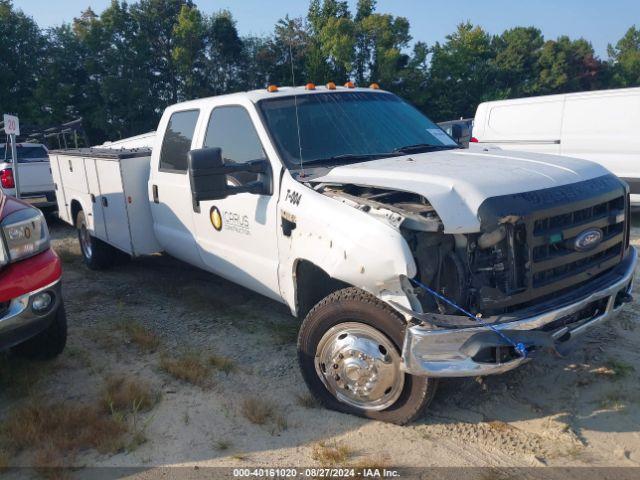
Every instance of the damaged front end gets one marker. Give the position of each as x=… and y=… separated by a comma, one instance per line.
x=521, y=273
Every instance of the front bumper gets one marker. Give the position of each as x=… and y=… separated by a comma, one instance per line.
x=19, y=321
x=462, y=352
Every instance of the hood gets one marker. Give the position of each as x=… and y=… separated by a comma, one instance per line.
x=456, y=182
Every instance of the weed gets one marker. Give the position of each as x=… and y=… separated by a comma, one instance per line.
x=240, y=456
x=189, y=367
x=128, y=394
x=307, y=400
x=615, y=369
x=331, y=454
x=257, y=410
x=613, y=401
x=378, y=462
x=223, y=445
x=224, y=364
x=144, y=338
x=4, y=459
x=20, y=376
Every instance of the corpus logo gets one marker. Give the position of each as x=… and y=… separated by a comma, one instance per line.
x=588, y=240
x=216, y=218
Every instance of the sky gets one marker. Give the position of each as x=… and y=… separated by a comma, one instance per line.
x=599, y=22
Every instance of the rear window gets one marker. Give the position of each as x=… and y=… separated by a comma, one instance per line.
x=26, y=154
x=177, y=141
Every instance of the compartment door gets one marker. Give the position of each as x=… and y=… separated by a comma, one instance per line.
x=112, y=200
x=96, y=218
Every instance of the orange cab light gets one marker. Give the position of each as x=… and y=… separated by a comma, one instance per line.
x=375, y=86
x=331, y=86
x=272, y=88
x=350, y=85
x=310, y=86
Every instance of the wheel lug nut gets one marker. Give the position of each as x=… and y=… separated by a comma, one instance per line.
x=340, y=356
x=335, y=366
x=336, y=378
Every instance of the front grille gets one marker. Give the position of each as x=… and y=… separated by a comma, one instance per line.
x=555, y=263
x=540, y=244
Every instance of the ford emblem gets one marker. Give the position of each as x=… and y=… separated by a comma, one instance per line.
x=588, y=240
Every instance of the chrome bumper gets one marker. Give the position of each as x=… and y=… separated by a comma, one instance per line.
x=445, y=352
x=20, y=321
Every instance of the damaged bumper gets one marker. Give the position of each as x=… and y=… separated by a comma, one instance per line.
x=475, y=351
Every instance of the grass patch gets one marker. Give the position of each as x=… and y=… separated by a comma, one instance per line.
x=615, y=369
x=499, y=426
x=57, y=430
x=223, y=445
x=306, y=400
x=127, y=394
x=257, y=410
x=189, y=367
x=224, y=364
x=146, y=339
x=284, y=333
x=331, y=453
x=378, y=462
x=4, y=459
x=613, y=401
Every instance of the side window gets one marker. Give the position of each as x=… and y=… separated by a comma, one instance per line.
x=177, y=140
x=231, y=130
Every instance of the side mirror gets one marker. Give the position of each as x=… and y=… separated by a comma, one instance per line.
x=456, y=132
x=208, y=176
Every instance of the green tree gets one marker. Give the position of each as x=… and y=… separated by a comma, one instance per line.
x=462, y=73
x=625, y=59
x=517, y=57
x=23, y=47
x=569, y=66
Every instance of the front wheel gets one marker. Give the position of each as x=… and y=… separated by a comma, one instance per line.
x=349, y=353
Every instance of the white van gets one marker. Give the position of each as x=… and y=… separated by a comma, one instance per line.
x=601, y=126
x=34, y=174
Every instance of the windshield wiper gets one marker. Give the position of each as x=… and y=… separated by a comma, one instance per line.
x=423, y=147
x=351, y=157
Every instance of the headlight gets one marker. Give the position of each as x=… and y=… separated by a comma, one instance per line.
x=25, y=234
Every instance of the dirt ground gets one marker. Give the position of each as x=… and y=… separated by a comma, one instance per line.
x=239, y=399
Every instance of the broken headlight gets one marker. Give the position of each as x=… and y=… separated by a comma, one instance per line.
x=25, y=234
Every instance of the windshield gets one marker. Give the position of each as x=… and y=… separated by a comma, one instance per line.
x=26, y=154
x=349, y=126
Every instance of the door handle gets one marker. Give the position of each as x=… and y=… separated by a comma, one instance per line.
x=154, y=189
x=105, y=202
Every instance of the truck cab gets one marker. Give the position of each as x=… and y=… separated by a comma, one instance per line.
x=34, y=174
x=407, y=257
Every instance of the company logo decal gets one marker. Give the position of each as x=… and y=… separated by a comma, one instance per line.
x=216, y=218
x=588, y=240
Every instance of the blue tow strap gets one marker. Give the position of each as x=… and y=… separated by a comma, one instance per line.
x=519, y=347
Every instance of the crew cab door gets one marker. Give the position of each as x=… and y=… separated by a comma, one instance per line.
x=169, y=188
x=236, y=236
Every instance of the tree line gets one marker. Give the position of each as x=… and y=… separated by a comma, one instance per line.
x=119, y=69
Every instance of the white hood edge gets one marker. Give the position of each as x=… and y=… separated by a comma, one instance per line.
x=456, y=182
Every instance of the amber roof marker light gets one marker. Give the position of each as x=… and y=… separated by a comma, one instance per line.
x=374, y=86
x=331, y=86
x=310, y=86
x=350, y=85
x=272, y=88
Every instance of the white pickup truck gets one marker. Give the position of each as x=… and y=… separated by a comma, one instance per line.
x=34, y=174
x=407, y=257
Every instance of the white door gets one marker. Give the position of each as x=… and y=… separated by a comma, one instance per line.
x=237, y=235
x=171, y=205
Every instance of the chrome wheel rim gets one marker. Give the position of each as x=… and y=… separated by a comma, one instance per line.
x=359, y=366
x=85, y=241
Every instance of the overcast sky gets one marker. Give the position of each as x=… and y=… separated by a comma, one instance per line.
x=597, y=21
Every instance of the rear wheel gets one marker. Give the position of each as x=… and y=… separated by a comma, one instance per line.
x=97, y=255
x=349, y=353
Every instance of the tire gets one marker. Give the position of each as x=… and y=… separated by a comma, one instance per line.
x=97, y=255
x=50, y=342
x=342, y=309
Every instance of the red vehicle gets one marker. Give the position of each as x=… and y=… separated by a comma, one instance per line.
x=32, y=316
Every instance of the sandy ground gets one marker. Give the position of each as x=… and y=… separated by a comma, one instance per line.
x=583, y=410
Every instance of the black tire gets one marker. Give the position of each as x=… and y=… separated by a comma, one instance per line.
x=97, y=255
x=50, y=342
x=355, y=305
